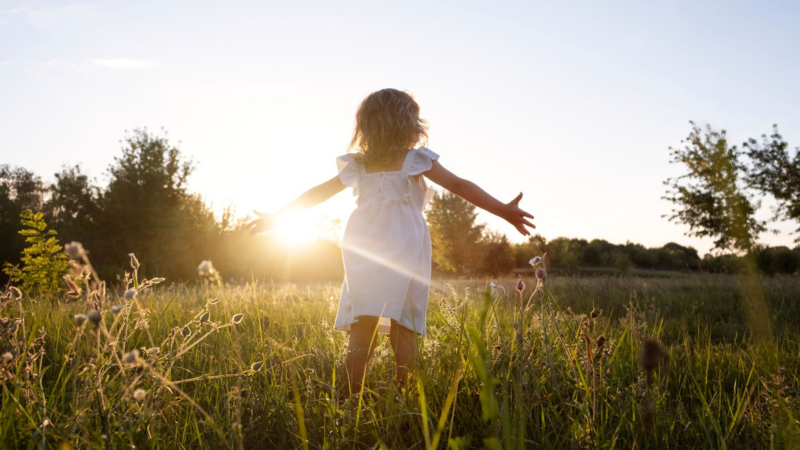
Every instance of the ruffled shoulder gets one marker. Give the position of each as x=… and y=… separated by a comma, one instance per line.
x=423, y=161
x=349, y=172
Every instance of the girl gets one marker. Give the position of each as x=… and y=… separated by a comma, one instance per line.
x=387, y=246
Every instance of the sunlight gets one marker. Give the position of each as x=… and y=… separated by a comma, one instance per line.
x=296, y=229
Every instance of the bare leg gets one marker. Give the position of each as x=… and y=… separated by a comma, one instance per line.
x=405, y=350
x=363, y=338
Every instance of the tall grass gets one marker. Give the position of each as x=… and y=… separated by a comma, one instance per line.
x=177, y=367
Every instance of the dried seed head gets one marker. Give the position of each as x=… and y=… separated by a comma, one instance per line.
x=116, y=309
x=79, y=319
x=205, y=316
x=535, y=261
x=541, y=274
x=6, y=358
x=74, y=290
x=95, y=317
x=237, y=318
x=15, y=293
x=595, y=313
x=74, y=250
x=130, y=294
x=139, y=395
x=256, y=366
x=520, y=286
x=212, y=301
x=569, y=310
x=206, y=269
x=601, y=341
x=134, y=261
x=131, y=357
x=185, y=331
x=158, y=280
x=652, y=355
x=496, y=288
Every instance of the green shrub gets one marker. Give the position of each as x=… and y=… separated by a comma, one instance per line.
x=43, y=261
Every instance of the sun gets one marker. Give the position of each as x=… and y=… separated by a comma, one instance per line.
x=295, y=229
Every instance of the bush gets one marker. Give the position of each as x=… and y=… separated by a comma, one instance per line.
x=44, y=263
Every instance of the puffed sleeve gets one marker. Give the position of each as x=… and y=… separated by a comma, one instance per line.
x=423, y=161
x=348, y=170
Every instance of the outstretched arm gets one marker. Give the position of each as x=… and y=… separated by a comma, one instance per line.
x=308, y=199
x=473, y=193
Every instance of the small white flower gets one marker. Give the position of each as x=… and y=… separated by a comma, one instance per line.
x=130, y=294
x=7, y=356
x=139, y=395
x=131, y=357
x=206, y=269
x=74, y=250
x=496, y=288
x=535, y=261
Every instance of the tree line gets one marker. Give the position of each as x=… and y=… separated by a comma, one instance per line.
x=146, y=209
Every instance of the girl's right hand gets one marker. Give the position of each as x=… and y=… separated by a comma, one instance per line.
x=265, y=222
x=514, y=215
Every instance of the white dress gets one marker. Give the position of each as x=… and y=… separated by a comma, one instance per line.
x=387, y=246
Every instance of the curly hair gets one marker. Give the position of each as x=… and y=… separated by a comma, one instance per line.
x=387, y=124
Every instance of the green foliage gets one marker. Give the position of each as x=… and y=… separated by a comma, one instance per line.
x=43, y=261
x=708, y=197
x=774, y=172
x=19, y=190
x=719, y=390
x=455, y=236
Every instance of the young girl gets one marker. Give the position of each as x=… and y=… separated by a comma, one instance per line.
x=387, y=246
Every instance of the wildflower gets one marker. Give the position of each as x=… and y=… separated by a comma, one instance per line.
x=6, y=358
x=535, y=261
x=185, y=331
x=139, y=395
x=496, y=288
x=74, y=290
x=595, y=313
x=131, y=357
x=601, y=341
x=74, y=250
x=15, y=293
x=130, y=294
x=256, y=366
x=520, y=286
x=237, y=318
x=541, y=274
x=134, y=261
x=157, y=280
x=95, y=317
x=79, y=319
x=652, y=356
x=116, y=309
x=213, y=301
x=206, y=269
x=205, y=316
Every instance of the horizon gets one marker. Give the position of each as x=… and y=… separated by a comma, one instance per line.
x=538, y=91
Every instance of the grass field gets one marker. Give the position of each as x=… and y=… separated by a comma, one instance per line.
x=497, y=371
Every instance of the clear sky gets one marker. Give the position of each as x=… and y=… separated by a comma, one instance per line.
x=573, y=103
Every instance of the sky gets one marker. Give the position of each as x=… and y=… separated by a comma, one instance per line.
x=575, y=104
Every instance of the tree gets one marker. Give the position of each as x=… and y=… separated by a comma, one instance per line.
x=498, y=255
x=455, y=236
x=773, y=171
x=19, y=190
x=147, y=210
x=73, y=204
x=708, y=197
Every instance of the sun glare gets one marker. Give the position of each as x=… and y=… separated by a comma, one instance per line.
x=295, y=229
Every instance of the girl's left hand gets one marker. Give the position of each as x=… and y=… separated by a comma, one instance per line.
x=265, y=222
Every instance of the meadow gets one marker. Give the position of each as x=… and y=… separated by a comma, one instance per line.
x=689, y=361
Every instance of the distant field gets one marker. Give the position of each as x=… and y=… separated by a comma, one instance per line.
x=493, y=373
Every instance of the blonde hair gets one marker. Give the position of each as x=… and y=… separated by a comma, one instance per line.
x=387, y=124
